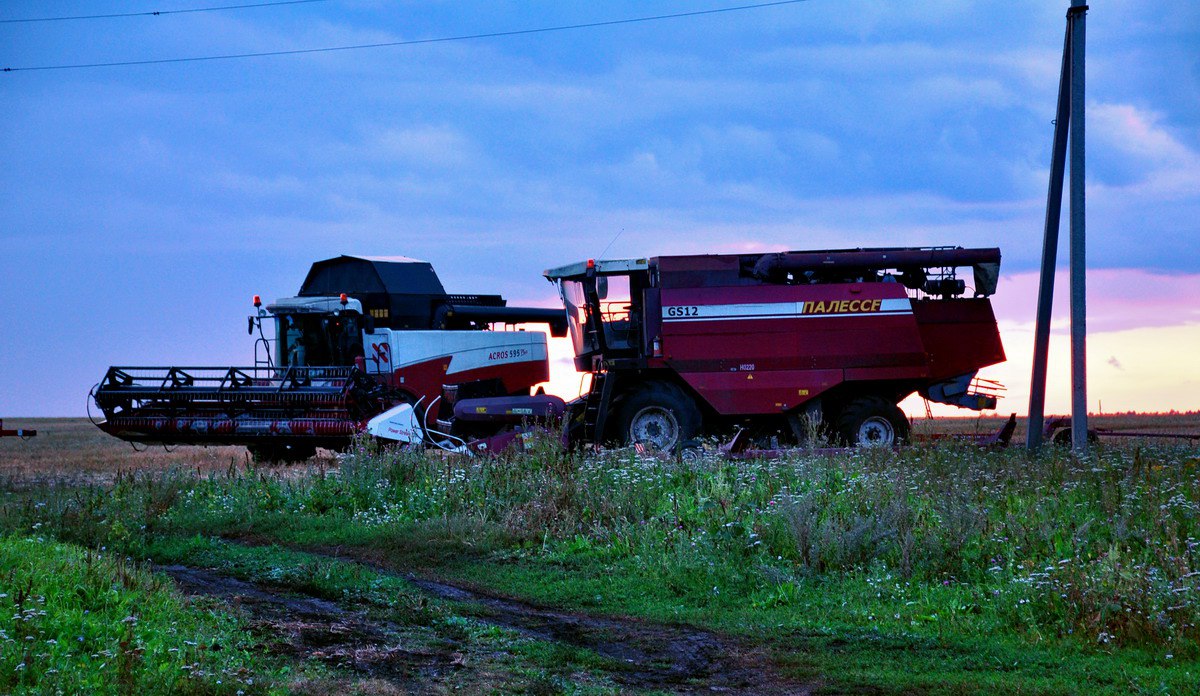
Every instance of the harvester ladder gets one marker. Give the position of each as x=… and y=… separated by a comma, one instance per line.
x=596, y=407
x=262, y=353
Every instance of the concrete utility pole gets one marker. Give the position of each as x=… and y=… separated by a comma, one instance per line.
x=1070, y=114
x=1079, y=419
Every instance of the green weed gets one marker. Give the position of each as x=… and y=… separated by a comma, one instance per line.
x=74, y=621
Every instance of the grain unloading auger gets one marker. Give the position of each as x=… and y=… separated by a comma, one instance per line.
x=363, y=335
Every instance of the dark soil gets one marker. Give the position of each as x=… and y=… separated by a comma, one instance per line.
x=654, y=657
x=308, y=627
x=660, y=657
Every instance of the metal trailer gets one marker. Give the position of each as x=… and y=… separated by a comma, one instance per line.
x=363, y=335
x=679, y=346
x=1058, y=431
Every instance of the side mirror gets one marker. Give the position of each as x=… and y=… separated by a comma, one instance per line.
x=250, y=325
x=602, y=287
x=369, y=324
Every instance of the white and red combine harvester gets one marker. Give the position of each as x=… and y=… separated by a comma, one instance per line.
x=364, y=335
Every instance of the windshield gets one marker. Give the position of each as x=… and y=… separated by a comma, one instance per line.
x=318, y=339
x=576, y=304
x=614, y=308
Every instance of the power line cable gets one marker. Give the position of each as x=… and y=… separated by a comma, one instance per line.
x=155, y=13
x=411, y=42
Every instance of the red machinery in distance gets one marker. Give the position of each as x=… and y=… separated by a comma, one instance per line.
x=22, y=433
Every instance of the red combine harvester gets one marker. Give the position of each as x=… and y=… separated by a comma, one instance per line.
x=363, y=335
x=680, y=345
x=777, y=347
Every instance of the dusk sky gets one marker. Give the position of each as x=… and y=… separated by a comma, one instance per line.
x=144, y=205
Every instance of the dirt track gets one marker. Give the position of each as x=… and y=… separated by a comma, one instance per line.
x=657, y=656
x=653, y=657
x=305, y=626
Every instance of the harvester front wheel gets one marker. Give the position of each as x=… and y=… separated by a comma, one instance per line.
x=658, y=415
x=872, y=421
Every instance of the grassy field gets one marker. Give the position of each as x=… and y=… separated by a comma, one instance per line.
x=84, y=622
x=939, y=569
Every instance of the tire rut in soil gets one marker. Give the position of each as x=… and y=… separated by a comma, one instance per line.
x=302, y=626
x=659, y=657
x=674, y=658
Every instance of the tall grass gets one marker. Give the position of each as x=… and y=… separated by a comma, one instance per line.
x=1101, y=550
x=76, y=622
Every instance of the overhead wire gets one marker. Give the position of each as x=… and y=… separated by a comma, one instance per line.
x=156, y=13
x=410, y=42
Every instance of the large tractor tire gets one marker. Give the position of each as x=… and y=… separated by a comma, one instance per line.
x=657, y=415
x=872, y=421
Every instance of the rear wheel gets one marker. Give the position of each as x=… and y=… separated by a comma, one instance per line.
x=658, y=415
x=872, y=421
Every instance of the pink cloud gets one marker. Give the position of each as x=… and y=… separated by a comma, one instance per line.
x=1118, y=299
x=1136, y=132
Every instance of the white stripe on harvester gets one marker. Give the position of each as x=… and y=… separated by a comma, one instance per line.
x=772, y=310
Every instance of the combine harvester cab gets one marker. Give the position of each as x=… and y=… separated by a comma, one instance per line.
x=364, y=335
x=772, y=343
